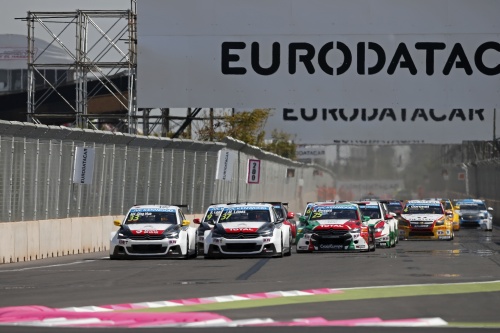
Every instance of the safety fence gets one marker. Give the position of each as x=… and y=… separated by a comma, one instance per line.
x=479, y=179
x=46, y=211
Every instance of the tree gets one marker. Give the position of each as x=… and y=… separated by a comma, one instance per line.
x=282, y=144
x=248, y=126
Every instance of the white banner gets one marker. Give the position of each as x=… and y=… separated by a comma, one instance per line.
x=84, y=165
x=384, y=126
x=397, y=54
x=310, y=152
x=225, y=162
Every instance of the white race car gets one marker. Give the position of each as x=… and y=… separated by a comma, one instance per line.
x=244, y=230
x=474, y=213
x=384, y=224
x=207, y=223
x=153, y=231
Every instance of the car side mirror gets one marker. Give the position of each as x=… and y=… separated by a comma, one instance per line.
x=389, y=216
x=196, y=221
x=366, y=218
x=185, y=223
x=490, y=209
x=118, y=223
x=448, y=212
x=290, y=215
x=303, y=219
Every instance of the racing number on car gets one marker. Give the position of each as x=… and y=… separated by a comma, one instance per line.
x=316, y=215
x=209, y=216
x=133, y=218
x=225, y=216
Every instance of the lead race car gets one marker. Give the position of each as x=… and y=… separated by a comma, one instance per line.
x=248, y=230
x=426, y=219
x=153, y=231
x=335, y=227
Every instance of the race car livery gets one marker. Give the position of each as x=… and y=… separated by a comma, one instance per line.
x=473, y=213
x=384, y=224
x=449, y=207
x=426, y=219
x=335, y=227
x=244, y=230
x=153, y=231
x=206, y=224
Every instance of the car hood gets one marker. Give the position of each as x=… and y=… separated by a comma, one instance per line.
x=337, y=225
x=242, y=227
x=422, y=217
x=150, y=228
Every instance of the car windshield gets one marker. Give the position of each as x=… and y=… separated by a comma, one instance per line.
x=243, y=214
x=423, y=209
x=279, y=211
x=373, y=213
x=472, y=207
x=212, y=215
x=395, y=207
x=146, y=216
x=333, y=214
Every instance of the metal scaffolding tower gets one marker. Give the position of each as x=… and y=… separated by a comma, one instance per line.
x=105, y=50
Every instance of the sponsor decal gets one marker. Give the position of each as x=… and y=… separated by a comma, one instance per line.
x=146, y=232
x=330, y=247
x=242, y=230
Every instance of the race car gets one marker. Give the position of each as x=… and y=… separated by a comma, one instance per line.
x=384, y=224
x=448, y=206
x=473, y=213
x=426, y=219
x=335, y=227
x=281, y=209
x=248, y=230
x=206, y=224
x=153, y=231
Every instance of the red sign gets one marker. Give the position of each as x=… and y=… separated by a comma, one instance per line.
x=461, y=176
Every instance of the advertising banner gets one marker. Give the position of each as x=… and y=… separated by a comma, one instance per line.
x=225, y=162
x=83, y=170
x=358, y=54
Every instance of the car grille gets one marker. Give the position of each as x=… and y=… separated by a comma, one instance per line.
x=146, y=237
x=424, y=233
x=241, y=247
x=241, y=236
x=330, y=232
x=147, y=248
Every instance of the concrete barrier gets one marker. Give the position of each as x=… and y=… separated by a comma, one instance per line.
x=32, y=240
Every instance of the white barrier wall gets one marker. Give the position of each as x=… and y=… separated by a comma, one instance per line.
x=32, y=240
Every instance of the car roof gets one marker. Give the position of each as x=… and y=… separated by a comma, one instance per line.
x=470, y=201
x=368, y=203
x=154, y=207
x=423, y=201
x=250, y=204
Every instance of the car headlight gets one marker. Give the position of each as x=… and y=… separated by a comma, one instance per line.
x=355, y=231
x=440, y=222
x=267, y=231
x=124, y=233
x=172, y=233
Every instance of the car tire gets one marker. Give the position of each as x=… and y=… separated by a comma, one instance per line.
x=195, y=254
x=289, y=253
x=374, y=244
x=187, y=255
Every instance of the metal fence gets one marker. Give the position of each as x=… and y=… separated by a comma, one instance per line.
x=37, y=162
